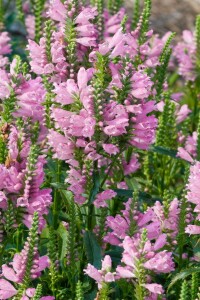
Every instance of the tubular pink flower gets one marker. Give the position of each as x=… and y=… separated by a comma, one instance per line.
x=193, y=229
x=102, y=197
x=182, y=153
x=154, y=288
x=6, y=289
x=5, y=47
x=160, y=263
x=103, y=275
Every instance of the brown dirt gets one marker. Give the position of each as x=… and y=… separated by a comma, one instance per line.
x=172, y=15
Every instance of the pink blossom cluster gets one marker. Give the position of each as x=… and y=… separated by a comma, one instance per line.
x=193, y=196
x=154, y=220
x=184, y=52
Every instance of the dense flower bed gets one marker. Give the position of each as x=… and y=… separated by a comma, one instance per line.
x=99, y=154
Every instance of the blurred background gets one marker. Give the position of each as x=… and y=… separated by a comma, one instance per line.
x=172, y=15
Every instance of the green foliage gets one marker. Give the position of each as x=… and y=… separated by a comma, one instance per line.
x=184, y=291
x=140, y=272
x=71, y=243
x=1, y=14
x=122, y=93
x=99, y=83
x=181, y=238
x=48, y=35
x=38, y=6
x=197, y=36
x=9, y=218
x=194, y=286
x=32, y=160
x=53, y=256
x=79, y=291
x=8, y=107
x=93, y=249
x=99, y=19
x=144, y=27
x=136, y=14
x=166, y=133
x=3, y=148
x=114, y=6
x=133, y=207
x=161, y=71
x=32, y=246
x=70, y=38
x=38, y=292
x=19, y=7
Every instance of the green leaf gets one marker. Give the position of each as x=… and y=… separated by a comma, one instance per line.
x=64, y=236
x=164, y=151
x=59, y=185
x=91, y=296
x=96, y=186
x=182, y=275
x=129, y=194
x=93, y=249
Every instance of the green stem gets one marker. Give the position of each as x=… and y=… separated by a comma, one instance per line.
x=56, y=200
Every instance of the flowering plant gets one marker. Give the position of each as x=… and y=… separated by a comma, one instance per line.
x=99, y=154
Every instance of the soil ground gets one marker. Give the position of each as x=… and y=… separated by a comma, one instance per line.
x=171, y=15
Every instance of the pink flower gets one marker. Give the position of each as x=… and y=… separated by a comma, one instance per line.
x=116, y=119
x=110, y=149
x=30, y=26
x=106, y=263
x=57, y=11
x=3, y=200
x=193, y=229
x=193, y=187
x=160, y=242
x=102, y=197
x=87, y=33
x=182, y=113
x=141, y=85
x=185, y=53
x=92, y=272
x=160, y=263
x=131, y=166
x=154, y=288
x=124, y=272
x=5, y=47
x=6, y=289
x=103, y=275
x=184, y=154
x=191, y=144
x=4, y=84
